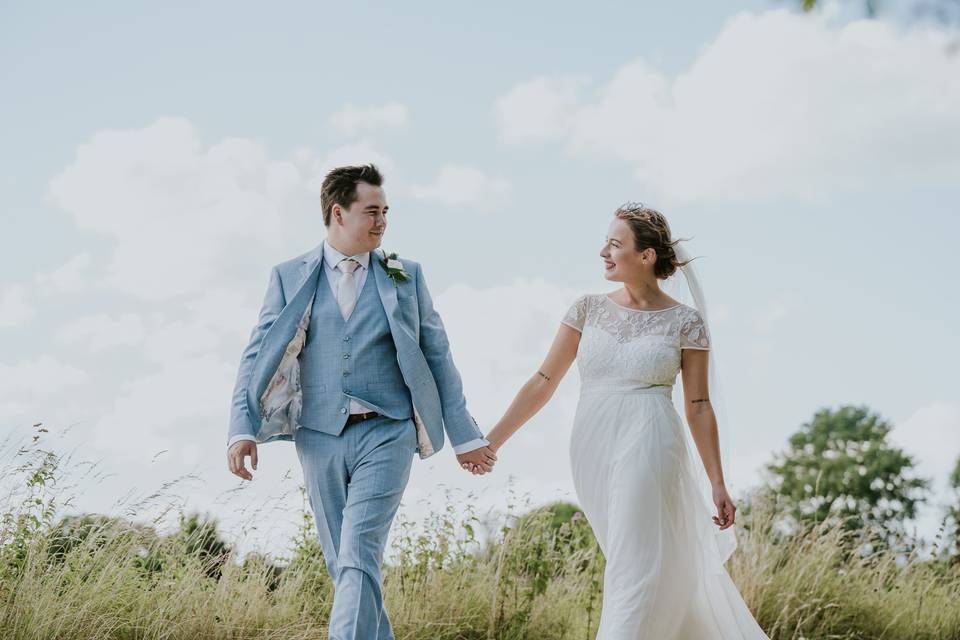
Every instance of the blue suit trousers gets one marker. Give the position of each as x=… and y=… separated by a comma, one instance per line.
x=354, y=482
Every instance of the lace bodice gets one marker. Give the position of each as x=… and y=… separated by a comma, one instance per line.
x=633, y=346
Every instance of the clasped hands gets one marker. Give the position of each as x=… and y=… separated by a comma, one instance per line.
x=478, y=461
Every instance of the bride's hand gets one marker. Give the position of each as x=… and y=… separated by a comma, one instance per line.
x=726, y=510
x=474, y=468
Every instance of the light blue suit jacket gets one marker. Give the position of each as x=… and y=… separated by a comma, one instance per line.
x=267, y=397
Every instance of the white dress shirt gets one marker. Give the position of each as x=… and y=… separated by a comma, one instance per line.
x=331, y=258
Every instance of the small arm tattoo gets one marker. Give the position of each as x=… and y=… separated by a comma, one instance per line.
x=545, y=376
x=700, y=405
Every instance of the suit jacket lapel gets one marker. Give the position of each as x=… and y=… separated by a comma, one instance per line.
x=388, y=295
x=309, y=262
x=386, y=289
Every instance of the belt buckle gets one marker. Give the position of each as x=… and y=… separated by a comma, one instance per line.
x=360, y=417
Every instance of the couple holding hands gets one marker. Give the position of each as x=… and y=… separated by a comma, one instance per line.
x=350, y=360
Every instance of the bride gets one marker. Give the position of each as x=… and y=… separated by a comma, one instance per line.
x=634, y=470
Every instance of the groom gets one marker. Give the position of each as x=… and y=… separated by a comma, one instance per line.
x=350, y=361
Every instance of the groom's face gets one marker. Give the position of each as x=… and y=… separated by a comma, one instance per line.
x=363, y=223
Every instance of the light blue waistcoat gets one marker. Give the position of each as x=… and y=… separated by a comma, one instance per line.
x=353, y=358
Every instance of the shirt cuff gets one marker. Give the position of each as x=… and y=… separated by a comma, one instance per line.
x=470, y=445
x=238, y=438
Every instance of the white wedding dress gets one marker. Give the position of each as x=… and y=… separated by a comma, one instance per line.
x=636, y=480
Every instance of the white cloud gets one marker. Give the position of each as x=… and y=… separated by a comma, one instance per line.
x=184, y=400
x=176, y=209
x=13, y=410
x=44, y=375
x=351, y=119
x=302, y=155
x=459, y=185
x=15, y=311
x=540, y=109
x=70, y=277
x=182, y=403
x=178, y=339
x=778, y=105
x=228, y=310
x=101, y=331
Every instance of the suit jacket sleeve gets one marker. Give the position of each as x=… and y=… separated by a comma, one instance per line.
x=273, y=303
x=458, y=423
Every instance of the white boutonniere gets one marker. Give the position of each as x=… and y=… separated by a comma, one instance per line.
x=394, y=268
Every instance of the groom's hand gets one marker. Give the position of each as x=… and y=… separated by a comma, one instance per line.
x=236, y=455
x=479, y=461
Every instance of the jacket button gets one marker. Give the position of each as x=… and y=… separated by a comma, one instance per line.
x=346, y=355
x=346, y=338
x=346, y=373
x=343, y=409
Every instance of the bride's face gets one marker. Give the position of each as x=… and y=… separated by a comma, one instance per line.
x=621, y=261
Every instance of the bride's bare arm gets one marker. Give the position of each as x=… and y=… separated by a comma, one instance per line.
x=539, y=388
x=699, y=411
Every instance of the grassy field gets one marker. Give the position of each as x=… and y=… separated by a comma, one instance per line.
x=538, y=577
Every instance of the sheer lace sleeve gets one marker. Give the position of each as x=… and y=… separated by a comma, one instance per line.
x=693, y=332
x=577, y=314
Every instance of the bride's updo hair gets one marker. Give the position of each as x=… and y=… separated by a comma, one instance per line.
x=650, y=229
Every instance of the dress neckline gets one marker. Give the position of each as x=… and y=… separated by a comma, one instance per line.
x=640, y=310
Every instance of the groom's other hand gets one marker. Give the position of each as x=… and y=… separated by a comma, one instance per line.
x=481, y=459
x=236, y=455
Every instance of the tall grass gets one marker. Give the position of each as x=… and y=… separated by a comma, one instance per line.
x=536, y=575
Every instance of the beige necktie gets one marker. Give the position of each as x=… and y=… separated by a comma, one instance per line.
x=347, y=289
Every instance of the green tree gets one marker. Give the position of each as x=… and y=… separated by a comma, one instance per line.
x=945, y=12
x=96, y=531
x=841, y=466
x=198, y=539
x=869, y=6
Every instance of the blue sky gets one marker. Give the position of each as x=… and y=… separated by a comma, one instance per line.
x=158, y=160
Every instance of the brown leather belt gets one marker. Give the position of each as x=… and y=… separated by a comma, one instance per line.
x=359, y=417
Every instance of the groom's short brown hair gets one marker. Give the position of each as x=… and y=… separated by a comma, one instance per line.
x=340, y=186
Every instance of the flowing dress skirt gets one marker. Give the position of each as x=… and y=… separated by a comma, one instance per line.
x=635, y=477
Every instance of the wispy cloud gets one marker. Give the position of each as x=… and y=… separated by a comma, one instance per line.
x=100, y=331
x=467, y=186
x=779, y=104
x=43, y=376
x=15, y=309
x=171, y=204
